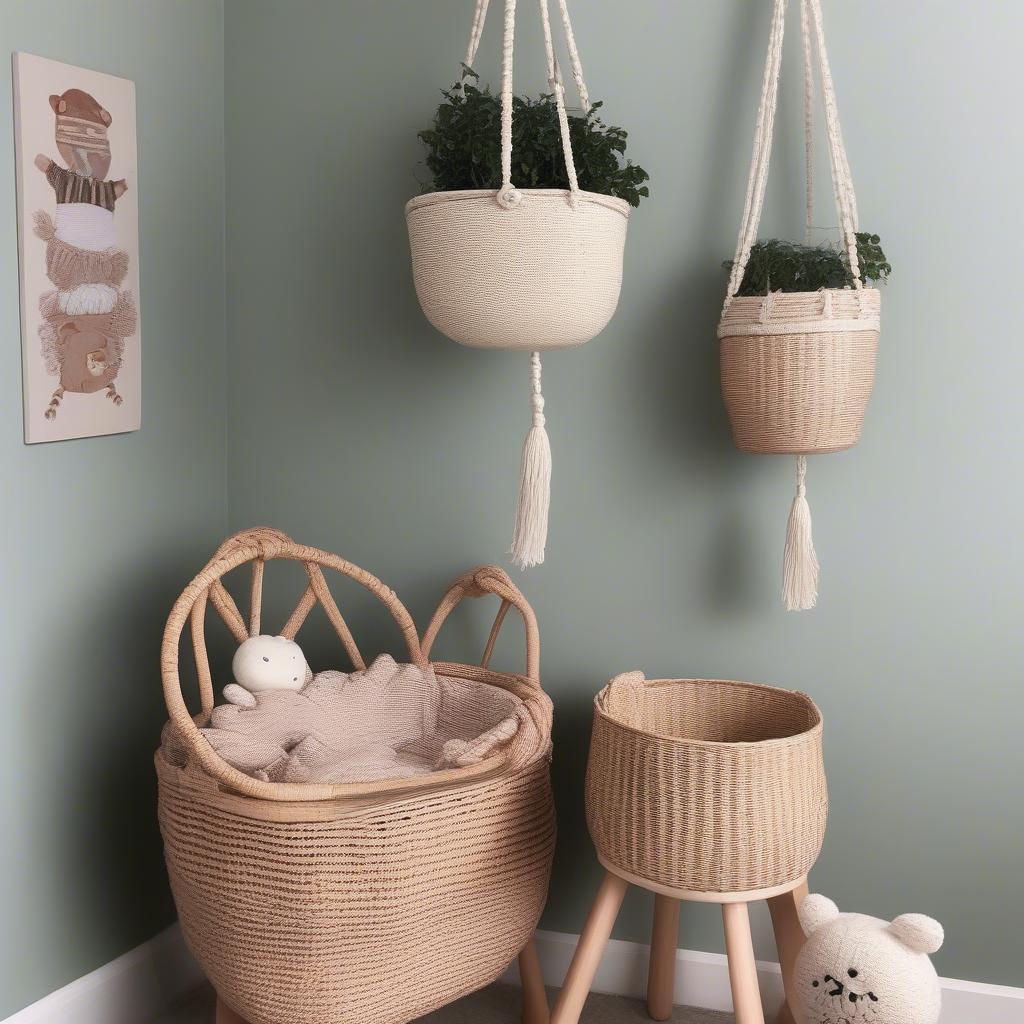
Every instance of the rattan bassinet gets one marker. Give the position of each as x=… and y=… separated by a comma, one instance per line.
x=368, y=903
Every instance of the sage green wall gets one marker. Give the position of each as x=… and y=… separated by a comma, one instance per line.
x=355, y=426
x=99, y=532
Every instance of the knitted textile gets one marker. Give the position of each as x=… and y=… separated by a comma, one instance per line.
x=390, y=721
x=859, y=968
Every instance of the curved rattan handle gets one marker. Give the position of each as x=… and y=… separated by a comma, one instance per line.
x=489, y=579
x=259, y=546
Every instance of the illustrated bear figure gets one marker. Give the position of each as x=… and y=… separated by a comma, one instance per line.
x=857, y=968
x=87, y=318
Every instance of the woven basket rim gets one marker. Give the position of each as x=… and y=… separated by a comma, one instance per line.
x=776, y=741
x=467, y=194
x=395, y=790
x=737, y=299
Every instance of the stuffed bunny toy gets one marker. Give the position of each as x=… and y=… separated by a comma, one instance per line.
x=857, y=968
x=264, y=663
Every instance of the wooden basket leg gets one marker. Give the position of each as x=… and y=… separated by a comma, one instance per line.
x=596, y=933
x=746, y=994
x=789, y=938
x=661, y=972
x=225, y=1015
x=535, y=998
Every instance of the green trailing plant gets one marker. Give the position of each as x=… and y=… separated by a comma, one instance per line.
x=780, y=266
x=464, y=146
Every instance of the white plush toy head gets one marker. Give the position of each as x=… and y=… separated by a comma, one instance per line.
x=270, y=663
x=857, y=968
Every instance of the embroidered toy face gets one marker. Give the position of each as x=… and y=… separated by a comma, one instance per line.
x=270, y=663
x=855, y=968
x=81, y=133
x=96, y=362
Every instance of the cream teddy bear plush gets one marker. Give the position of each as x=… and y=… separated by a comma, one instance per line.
x=857, y=968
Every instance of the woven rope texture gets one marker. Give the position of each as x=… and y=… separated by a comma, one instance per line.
x=353, y=903
x=705, y=785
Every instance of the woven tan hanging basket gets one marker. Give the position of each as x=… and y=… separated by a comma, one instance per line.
x=517, y=268
x=352, y=903
x=706, y=786
x=798, y=368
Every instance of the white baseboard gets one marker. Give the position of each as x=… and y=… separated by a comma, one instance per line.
x=139, y=986
x=702, y=979
x=133, y=989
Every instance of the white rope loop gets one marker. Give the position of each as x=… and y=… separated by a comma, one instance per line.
x=846, y=203
x=508, y=195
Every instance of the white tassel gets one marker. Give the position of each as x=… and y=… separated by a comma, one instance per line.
x=800, y=563
x=531, y=532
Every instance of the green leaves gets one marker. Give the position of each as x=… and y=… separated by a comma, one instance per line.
x=464, y=146
x=781, y=266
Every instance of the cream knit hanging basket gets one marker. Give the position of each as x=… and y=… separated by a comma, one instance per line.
x=706, y=786
x=352, y=903
x=530, y=269
x=798, y=368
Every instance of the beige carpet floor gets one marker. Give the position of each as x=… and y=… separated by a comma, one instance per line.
x=498, y=1004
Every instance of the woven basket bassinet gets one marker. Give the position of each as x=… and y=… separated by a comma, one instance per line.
x=359, y=903
x=798, y=368
x=706, y=786
x=540, y=275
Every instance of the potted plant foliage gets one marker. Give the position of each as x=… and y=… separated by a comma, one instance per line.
x=518, y=241
x=799, y=329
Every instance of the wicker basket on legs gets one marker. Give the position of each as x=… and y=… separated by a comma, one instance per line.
x=706, y=786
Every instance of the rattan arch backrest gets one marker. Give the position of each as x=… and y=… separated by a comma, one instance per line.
x=263, y=544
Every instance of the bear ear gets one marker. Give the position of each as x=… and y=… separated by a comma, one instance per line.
x=105, y=117
x=815, y=911
x=59, y=105
x=917, y=932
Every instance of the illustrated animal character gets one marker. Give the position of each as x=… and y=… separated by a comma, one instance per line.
x=86, y=320
x=857, y=968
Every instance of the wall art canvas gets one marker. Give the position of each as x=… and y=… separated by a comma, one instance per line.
x=78, y=236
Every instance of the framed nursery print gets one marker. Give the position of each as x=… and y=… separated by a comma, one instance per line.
x=78, y=239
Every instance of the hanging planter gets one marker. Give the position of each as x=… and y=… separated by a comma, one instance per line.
x=799, y=329
x=523, y=268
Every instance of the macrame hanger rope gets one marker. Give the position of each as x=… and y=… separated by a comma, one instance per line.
x=846, y=203
x=511, y=197
x=479, y=17
x=574, y=57
x=805, y=33
x=531, y=528
x=558, y=88
x=763, y=133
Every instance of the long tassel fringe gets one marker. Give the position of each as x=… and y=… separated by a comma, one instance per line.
x=800, y=562
x=531, y=529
